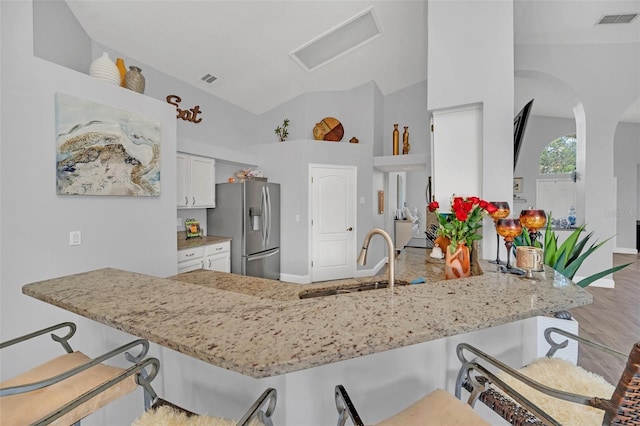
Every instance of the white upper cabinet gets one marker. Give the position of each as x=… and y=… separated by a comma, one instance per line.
x=196, y=181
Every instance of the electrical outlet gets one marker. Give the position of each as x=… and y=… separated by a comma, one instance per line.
x=179, y=222
x=361, y=200
x=297, y=218
x=75, y=238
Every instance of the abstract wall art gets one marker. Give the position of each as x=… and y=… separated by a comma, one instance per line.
x=105, y=151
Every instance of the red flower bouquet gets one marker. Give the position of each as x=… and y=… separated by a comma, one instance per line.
x=464, y=220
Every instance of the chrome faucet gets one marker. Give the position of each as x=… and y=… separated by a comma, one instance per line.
x=362, y=258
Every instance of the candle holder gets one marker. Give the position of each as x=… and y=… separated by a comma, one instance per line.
x=509, y=229
x=502, y=212
x=533, y=220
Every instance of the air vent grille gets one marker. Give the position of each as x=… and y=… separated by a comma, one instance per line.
x=623, y=18
x=208, y=78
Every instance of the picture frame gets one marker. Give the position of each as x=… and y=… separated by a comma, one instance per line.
x=517, y=185
x=193, y=228
x=380, y=202
x=105, y=151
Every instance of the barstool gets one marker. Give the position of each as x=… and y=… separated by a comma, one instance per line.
x=438, y=408
x=165, y=413
x=68, y=388
x=64, y=390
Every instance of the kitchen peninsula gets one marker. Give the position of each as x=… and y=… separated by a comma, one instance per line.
x=261, y=328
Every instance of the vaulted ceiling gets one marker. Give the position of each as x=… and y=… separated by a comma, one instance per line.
x=246, y=44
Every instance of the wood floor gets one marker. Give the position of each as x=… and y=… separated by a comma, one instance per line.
x=613, y=319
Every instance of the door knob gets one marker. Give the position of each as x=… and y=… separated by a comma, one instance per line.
x=350, y=228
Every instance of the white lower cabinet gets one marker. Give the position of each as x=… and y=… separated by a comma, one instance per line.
x=218, y=257
x=214, y=257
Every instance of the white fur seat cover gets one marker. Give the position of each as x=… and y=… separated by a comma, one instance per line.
x=562, y=375
x=167, y=416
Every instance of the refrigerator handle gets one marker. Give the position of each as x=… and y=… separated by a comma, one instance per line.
x=268, y=214
x=263, y=205
x=263, y=255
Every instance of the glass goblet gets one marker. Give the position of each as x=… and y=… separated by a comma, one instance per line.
x=502, y=212
x=508, y=229
x=533, y=220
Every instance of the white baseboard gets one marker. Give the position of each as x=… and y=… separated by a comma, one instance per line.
x=625, y=250
x=373, y=271
x=602, y=282
x=296, y=279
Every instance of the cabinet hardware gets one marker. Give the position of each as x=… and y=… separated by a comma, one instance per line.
x=194, y=201
x=186, y=201
x=189, y=254
x=350, y=228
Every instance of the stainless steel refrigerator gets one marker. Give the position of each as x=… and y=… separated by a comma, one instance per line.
x=249, y=213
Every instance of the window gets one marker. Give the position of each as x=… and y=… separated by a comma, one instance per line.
x=559, y=156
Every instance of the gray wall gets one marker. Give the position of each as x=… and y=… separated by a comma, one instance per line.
x=53, y=21
x=408, y=107
x=353, y=108
x=626, y=159
x=222, y=124
x=135, y=234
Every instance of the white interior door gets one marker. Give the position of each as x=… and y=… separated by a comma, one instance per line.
x=333, y=222
x=457, y=153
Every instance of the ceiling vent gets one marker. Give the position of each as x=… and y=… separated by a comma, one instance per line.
x=622, y=18
x=208, y=78
x=338, y=41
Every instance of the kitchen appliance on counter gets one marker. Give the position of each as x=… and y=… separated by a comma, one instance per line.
x=249, y=213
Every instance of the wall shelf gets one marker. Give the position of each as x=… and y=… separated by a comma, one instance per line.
x=400, y=163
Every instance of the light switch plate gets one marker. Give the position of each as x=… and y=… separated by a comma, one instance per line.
x=75, y=238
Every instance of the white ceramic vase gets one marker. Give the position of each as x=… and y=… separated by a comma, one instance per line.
x=104, y=68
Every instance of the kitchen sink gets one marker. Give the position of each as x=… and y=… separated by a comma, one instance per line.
x=354, y=288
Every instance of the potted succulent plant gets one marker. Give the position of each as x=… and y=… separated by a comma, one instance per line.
x=281, y=131
x=567, y=257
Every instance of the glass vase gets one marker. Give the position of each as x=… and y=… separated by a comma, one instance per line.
x=458, y=263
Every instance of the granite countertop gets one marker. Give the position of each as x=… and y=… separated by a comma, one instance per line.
x=184, y=243
x=260, y=327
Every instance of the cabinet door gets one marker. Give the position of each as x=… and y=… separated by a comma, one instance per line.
x=219, y=262
x=182, y=191
x=203, y=177
x=191, y=265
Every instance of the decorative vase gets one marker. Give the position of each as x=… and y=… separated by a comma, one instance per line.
x=103, y=68
x=134, y=80
x=405, y=141
x=396, y=140
x=458, y=264
x=122, y=69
